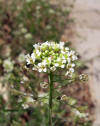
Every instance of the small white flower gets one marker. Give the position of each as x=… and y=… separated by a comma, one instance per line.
x=39, y=64
x=63, y=52
x=34, y=68
x=61, y=43
x=59, y=59
x=69, y=54
x=62, y=66
x=27, y=57
x=66, y=48
x=33, y=57
x=47, y=43
x=72, y=52
x=73, y=65
x=49, y=58
x=71, y=70
x=74, y=58
x=44, y=63
x=29, y=99
x=36, y=46
x=67, y=73
x=40, y=69
x=69, y=60
x=63, y=57
x=53, y=68
x=64, y=61
x=56, y=64
x=25, y=106
x=45, y=70
x=38, y=52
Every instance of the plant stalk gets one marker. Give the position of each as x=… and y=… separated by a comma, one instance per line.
x=50, y=97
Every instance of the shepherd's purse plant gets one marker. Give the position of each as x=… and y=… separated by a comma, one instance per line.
x=50, y=57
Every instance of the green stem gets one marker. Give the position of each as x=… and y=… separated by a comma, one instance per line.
x=76, y=121
x=50, y=97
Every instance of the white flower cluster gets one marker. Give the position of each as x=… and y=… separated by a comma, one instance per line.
x=49, y=56
x=29, y=101
x=8, y=65
x=28, y=1
x=79, y=114
x=21, y=58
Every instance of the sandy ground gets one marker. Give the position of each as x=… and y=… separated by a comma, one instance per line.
x=86, y=39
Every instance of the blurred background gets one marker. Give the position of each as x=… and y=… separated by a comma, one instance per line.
x=26, y=22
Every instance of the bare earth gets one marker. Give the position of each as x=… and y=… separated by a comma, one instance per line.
x=86, y=39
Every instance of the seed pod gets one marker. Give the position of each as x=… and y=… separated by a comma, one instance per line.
x=44, y=85
x=72, y=101
x=83, y=77
x=64, y=98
